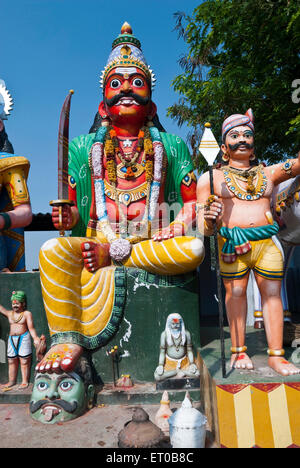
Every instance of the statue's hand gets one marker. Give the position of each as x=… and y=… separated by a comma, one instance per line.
x=213, y=211
x=63, y=221
x=193, y=368
x=159, y=370
x=36, y=342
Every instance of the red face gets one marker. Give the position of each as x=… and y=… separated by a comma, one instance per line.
x=127, y=97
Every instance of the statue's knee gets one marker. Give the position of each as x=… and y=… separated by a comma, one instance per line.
x=197, y=248
x=269, y=288
x=238, y=291
x=49, y=245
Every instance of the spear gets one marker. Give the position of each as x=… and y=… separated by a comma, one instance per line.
x=210, y=150
x=63, y=149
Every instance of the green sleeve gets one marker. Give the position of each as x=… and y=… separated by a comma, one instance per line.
x=179, y=165
x=80, y=171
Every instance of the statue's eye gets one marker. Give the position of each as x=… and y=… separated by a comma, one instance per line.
x=138, y=82
x=42, y=386
x=66, y=386
x=115, y=83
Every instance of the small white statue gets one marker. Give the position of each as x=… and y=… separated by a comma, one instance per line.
x=176, y=358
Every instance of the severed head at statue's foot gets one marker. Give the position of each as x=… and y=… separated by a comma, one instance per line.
x=133, y=193
x=64, y=396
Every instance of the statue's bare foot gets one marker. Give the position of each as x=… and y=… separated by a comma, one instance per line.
x=95, y=255
x=241, y=361
x=8, y=385
x=61, y=357
x=282, y=366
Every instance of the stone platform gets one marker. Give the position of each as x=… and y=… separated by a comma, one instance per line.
x=139, y=394
x=257, y=408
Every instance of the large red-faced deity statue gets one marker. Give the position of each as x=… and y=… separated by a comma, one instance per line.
x=134, y=194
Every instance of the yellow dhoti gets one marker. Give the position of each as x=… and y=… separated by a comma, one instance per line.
x=86, y=308
x=176, y=364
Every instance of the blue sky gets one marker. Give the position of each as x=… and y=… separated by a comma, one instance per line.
x=51, y=46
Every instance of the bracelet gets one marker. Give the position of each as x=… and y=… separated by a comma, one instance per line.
x=276, y=352
x=238, y=349
x=7, y=220
x=287, y=166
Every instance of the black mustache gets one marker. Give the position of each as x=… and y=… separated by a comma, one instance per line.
x=139, y=99
x=65, y=405
x=240, y=143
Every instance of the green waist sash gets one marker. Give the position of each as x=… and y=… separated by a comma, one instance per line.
x=238, y=239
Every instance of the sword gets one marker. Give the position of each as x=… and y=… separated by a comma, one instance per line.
x=210, y=149
x=63, y=149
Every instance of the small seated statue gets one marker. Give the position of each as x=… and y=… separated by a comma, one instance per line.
x=176, y=358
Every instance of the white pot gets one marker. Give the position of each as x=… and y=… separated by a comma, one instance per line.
x=187, y=427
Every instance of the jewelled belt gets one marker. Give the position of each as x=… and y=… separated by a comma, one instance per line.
x=126, y=196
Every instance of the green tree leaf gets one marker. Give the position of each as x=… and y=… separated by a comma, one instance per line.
x=241, y=54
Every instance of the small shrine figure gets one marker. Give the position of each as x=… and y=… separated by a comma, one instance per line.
x=19, y=349
x=247, y=236
x=176, y=358
x=163, y=414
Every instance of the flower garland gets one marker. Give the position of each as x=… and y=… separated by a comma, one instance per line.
x=106, y=143
x=112, y=150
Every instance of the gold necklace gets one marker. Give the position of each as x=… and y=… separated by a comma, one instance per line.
x=177, y=346
x=21, y=315
x=254, y=189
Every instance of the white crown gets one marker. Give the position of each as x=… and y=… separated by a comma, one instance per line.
x=7, y=102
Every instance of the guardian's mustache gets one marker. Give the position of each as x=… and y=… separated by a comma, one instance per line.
x=115, y=99
x=65, y=405
x=240, y=143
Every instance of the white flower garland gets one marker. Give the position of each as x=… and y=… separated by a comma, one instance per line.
x=120, y=247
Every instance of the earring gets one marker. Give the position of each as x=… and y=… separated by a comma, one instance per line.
x=252, y=157
x=105, y=121
x=225, y=157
